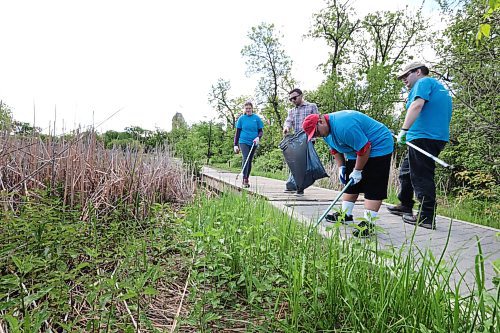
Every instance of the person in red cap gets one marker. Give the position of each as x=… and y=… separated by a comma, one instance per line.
x=362, y=148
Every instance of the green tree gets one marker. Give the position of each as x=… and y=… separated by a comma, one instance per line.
x=5, y=117
x=266, y=58
x=470, y=71
x=227, y=108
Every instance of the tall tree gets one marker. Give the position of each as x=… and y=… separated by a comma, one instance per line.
x=335, y=25
x=266, y=58
x=389, y=37
x=227, y=108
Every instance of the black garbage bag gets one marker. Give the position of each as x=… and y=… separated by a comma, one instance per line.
x=302, y=160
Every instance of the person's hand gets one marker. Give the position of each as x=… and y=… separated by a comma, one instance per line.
x=256, y=141
x=285, y=130
x=356, y=176
x=236, y=149
x=343, y=175
x=401, y=138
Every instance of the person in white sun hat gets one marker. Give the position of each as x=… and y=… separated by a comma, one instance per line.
x=426, y=125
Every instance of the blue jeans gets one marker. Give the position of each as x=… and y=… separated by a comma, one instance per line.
x=417, y=175
x=245, y=150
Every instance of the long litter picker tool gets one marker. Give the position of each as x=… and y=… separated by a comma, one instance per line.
x=438, y=160
x=349, y=183
x=246, y=161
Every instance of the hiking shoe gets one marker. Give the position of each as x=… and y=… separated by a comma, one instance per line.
x=289, y=191
x=299, y=193
x=245, y=183
x=364, y=229
x=424, y=221
x=339, y=217
x=400, y=210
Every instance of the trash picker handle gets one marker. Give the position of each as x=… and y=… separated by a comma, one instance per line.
x=349, y=183
x=440, y=161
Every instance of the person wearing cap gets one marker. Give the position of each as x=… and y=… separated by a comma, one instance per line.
x=426, y=125
x=362, y=148
x=249, y=130
x=294, y=120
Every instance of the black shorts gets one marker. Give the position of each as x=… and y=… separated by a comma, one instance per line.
x=375, y=177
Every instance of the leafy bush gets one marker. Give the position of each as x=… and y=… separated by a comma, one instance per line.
x=272, y=161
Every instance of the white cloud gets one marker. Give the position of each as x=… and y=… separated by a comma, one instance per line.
x=152, y=58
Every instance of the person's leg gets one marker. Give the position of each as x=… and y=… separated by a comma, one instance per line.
x=290, y=184
x=405, y=194
x=422, y=171
x=376, y=179
x=348, y=199
x=245, y=150
x=249, y=163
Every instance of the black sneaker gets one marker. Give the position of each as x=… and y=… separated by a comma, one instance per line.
x=400, y=210
x=339, y=217
x=424, y=221
x=364, y=229
x=299, y=193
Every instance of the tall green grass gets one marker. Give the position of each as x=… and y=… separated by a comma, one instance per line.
x=257, y=269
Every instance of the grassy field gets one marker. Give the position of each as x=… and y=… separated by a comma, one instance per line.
x=96, y=240
x=257, y=269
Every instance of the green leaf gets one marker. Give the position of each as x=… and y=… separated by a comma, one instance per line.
x=485, y=29
x=13, y=323
x=150, y=291
x=496, y=266
x=33, y=297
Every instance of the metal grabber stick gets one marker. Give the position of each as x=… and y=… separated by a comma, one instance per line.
x=440, y=161
x=349, y=183
x=246, y=161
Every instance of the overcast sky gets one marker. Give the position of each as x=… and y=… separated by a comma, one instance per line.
x=80, y=61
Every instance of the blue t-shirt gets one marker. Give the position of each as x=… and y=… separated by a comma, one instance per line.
x=433, y=122
x=351, y=130
x=250, y=126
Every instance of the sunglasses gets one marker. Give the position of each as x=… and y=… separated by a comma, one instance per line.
x=293, y=98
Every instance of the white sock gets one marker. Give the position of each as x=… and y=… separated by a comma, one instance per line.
x=369, y=214
x=347, y=207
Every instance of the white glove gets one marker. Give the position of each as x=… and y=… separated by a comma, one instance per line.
x=236, y=149
x=356, y=176
x=401, y=138
x=256, y=141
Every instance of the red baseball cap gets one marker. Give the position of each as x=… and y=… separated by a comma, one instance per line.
x=309, y=125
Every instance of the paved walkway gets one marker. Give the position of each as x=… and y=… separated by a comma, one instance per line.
x=462, y=245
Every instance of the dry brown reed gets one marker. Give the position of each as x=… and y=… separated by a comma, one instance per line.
x=89, y=177
x=333, y=182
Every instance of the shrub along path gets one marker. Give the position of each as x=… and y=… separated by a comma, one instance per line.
x=461, y=250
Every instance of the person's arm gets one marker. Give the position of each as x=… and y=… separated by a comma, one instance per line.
x=261, y=132
x=362, y=157
x=288, y=122
x=413, y=112
x=339, y=158
x=237, y=136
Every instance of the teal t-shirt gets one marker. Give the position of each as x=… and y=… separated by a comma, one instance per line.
x=351, y=130
x=250, y=126
x=433, y=122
